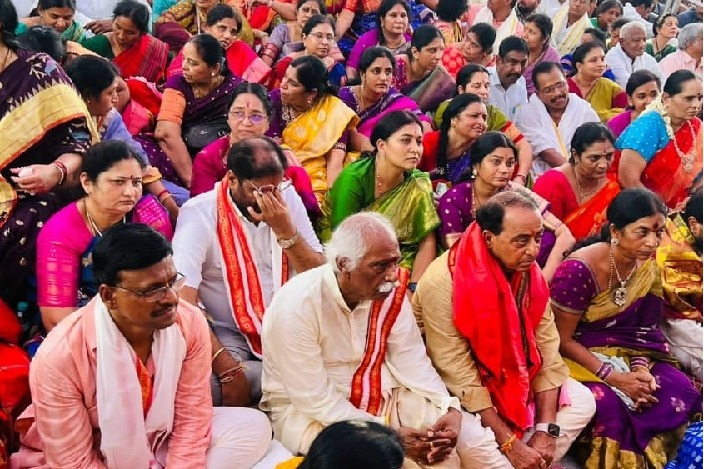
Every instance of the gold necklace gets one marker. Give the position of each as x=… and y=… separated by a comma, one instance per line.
x=580, y=194
x=620, y=293
x=93, y=225
x=686, y=158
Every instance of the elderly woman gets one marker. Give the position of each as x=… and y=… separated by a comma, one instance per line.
x=643, y=88
x=608, y=306
x=391, y=32
x=57, y=15
x=112, y=181
x=193, y=112
x=129, y=45
x=374, y=98
x=249, y=116
x=493, y=159
x=537, y=31
x=224, y=23
x=477, y=48
x=43, y=141
x=419, y=73
x=318, y=35
x=662, y=149
x=286, y=38
x=579, y=191
x=689, y=53
x=665, y=30
x=606, y=97
x=606, y=13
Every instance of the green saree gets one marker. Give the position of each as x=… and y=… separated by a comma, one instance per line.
x=409, y=206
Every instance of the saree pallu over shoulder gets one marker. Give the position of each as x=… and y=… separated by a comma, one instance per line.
x=431, y=90
x=411, y=210
x=391, y=101
x=32, y=106
x=667, y=174
x=681, y=269
x=313, y=134
x=145, y=59
x=589, y=217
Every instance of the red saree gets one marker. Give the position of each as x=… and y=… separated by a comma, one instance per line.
x=145, y=59
x=500, y=324
x=588, y=219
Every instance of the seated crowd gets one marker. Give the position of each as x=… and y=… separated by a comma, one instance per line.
x=350, y=234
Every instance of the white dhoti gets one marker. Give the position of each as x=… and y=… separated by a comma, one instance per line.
x=685, y=339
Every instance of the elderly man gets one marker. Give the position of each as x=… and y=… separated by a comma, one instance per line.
x=124, y=381
x=508, y=90
x=689, y=53
x=569, y=23
x=341, y=343
x=680, y=259
x=501, y=14
x=629, y=54
x=237, y=245
x=498, y=351
x=551, y=117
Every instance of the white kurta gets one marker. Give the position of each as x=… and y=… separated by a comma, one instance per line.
x=312, y=346
x=623, y=66
x=537, y=126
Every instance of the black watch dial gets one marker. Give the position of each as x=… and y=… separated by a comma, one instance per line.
x=553, y=430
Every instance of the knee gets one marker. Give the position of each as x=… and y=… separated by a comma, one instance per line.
x=233, y=425
x=582, y=399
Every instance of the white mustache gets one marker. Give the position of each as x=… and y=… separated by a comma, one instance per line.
x=386, y=287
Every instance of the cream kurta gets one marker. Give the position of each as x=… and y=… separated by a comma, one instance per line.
x=313, y=344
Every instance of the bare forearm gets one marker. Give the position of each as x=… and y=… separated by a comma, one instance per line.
x=578, y=353
x=286, y=10
x=425, y=255
x=490, y=418
x=73, y=163
x=564, y=242
x=525, y=157
x=344, y=21
x=334, y=165
x=546, y=406
x=552, y=157
x=177, y=152
x=303, y=257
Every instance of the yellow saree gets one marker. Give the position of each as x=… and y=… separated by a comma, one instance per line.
x=313, y=134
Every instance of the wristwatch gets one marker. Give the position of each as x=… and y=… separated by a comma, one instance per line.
x=550, y=428
x=287, y=243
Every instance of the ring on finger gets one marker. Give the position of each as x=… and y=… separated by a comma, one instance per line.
x=543, y=463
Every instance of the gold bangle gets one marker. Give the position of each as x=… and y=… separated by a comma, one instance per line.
x=215, y=355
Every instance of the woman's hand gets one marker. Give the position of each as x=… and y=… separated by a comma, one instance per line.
x=639, y=386
x=37, y=178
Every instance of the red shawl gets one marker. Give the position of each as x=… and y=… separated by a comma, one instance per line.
x=492, y=314
x=145, y=59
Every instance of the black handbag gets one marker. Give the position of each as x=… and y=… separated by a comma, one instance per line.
x=198, y=136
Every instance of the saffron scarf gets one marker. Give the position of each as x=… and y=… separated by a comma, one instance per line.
x=499, y=318
x=145, y=59
x=121, y=409
x=244, y=294
x=366, y=382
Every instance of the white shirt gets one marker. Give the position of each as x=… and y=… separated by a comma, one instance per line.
x=546, y=7
x=313, y=343
x=197, y=252
x=623, y=66
x=508, y=100
x=630, y=12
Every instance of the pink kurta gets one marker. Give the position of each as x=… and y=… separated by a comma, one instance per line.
x=66, y=433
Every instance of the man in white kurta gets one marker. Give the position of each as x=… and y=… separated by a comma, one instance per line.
x=198, y=252
x=629, y=54
x=315, y=335
x=551, y=117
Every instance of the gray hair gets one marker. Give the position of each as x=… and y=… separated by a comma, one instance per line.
x=353, y=236
x=689, y=34
x=627, y=28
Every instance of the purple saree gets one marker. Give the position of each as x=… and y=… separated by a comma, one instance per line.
x=391, y=101
x=209, y=109
x=620, y=437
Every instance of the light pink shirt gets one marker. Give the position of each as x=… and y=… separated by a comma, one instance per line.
x=679, y=60
x=65, y=432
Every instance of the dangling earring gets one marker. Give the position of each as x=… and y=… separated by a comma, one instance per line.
x=614, y=241
x=474, y=174
x=212, y=74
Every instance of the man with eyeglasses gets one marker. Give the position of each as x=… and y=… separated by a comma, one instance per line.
x=498, y=351
x=124, y=382
x=237, y=244
x=551, y=117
